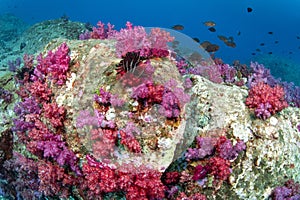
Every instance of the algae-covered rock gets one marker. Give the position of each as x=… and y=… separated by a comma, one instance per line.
x=273, y=152
x=95, y=68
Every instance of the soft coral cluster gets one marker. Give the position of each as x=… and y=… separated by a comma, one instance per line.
x=133, y=39
x=142, y=183
x=54, y=181
x=39, y=123
x=21, y=175
x=104, y=141
x=266, y=100
x=55, y=65
x=214, y=155
x=170, y=98
x=290, y=190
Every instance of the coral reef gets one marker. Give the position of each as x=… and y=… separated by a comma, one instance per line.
x=123, y=116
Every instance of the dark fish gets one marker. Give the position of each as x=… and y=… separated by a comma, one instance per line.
x=22, y=45
x=270, y=32
x=223, y=38
x=270, y=52
x=239, y=33
x=276, y=42
x=262, y=44
x=212, y=29
x=205, y=44
x=253, y=54
x=209, y=23
x=196, y=39
x=231, y=44
x=209, y=47
x=258, y=50
x=212, y=48
x=298, y=37
x=249, y=9
x=178, y=27
x=290, y=52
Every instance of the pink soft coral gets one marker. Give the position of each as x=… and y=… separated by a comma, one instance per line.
x=266, y=100
x=102, y=31
x=131, y=39
x=159, y=38
x=136, y=39
x=55, y=65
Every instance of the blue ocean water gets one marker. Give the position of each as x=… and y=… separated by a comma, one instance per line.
x=269, y=34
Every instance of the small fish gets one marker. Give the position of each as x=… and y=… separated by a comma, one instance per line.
x=290, y=52
x=258, y=50
x=223, y=38
x=298, y=37
x=212, y=29
x=276, y=42
x=253, y=54
x=230, y=39
x=249, y=10
x=231, y=44
x=22, y=45
x=205, y=44
x=262, y=44
x=212, y=48
x=270, y=52
x=209, y=47
x=209, y=23
x=239, y=33
x=270, y=32
x=178, y=27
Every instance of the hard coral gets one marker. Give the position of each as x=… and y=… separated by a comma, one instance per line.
x=266, y=100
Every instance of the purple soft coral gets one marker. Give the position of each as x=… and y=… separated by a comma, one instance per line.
x=53, y=147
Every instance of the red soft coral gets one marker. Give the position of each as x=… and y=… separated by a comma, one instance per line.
x=103, y=142
x=54, y=113
x=99, y=180
x=54, y=181
x=219, y=168
x=266, y=100
x=130, y=142
x=40, y=91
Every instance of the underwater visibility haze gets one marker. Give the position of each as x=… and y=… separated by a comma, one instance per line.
x=179, y=100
